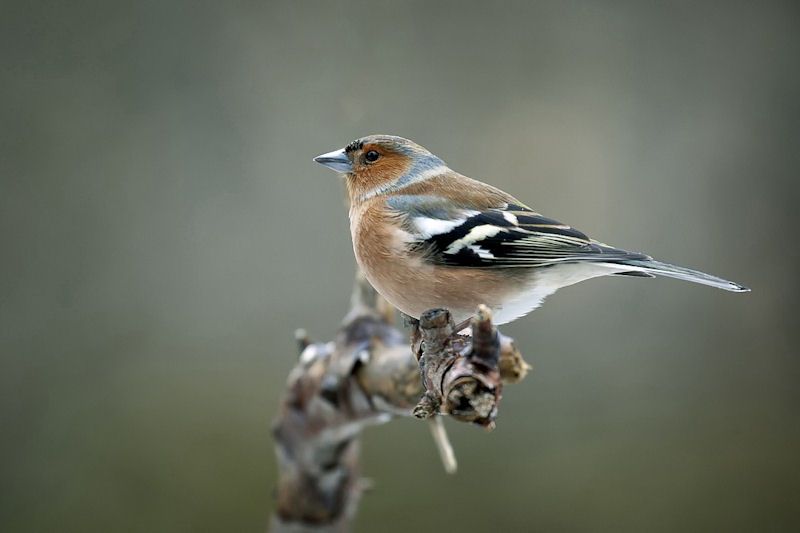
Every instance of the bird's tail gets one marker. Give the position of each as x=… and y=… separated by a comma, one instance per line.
x=649, y=266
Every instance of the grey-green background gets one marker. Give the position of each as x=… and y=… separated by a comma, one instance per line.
x=164, y=231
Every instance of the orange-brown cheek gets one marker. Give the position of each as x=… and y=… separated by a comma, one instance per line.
x=369, y=177
x=389, y=168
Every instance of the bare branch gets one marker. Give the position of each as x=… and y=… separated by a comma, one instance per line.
x=365, y=376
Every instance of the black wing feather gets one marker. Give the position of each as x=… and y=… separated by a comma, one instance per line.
x=515, y=236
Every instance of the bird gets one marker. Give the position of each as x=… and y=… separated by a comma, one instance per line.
x=428, y=237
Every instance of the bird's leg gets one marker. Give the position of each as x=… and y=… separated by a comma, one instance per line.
x=409, y=321
x=464, y=325
x=416, y=335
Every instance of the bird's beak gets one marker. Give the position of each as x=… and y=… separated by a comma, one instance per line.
x=336, y=160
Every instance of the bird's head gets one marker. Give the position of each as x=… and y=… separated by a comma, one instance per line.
x=378, y=164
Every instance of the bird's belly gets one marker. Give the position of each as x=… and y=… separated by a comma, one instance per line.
x=544, y=281
x=413, y=286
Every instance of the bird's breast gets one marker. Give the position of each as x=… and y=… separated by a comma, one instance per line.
x=411, y=283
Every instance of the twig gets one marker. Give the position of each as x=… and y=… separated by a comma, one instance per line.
x=443, y=445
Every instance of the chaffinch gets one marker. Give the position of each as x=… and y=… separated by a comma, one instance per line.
x=425, y=236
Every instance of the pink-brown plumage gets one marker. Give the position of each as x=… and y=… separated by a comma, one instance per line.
x=426, y=236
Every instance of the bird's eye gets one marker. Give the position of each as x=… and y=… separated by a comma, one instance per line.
x=371, y=156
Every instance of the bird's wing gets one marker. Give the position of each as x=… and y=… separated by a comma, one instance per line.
x=501, y=236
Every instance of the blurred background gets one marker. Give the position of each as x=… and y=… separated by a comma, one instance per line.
x=164, y=231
